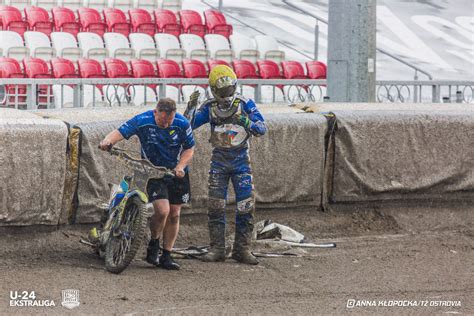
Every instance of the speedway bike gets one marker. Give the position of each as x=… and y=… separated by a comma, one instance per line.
x=124, y=220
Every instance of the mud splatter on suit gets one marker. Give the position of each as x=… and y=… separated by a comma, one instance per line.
x=230, y=161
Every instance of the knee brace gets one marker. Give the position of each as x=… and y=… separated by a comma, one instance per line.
x=216, y=206
x=246, y=206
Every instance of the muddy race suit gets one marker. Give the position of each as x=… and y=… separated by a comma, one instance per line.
x=230, y=161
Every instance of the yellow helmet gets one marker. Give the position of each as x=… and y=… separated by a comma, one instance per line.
x=223, y=83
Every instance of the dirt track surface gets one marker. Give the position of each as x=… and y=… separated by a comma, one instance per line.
x=382, y=257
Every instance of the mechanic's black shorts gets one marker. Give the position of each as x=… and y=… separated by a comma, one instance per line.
x=176, y=190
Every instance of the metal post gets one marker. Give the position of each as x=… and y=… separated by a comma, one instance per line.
x=146, y=101
x=62, y=97
x=31, y=97
x=163, y=91
x=459, y=97
x=415, y=88
x=258, y=93
x=77, y=96
x=435, y=94
x=220, y=5
x=316, y=40
x=352, y=51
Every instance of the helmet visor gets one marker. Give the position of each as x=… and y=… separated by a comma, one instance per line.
x=225, y=88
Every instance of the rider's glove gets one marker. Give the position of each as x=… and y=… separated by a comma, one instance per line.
x=192, y=103
x=242, y=120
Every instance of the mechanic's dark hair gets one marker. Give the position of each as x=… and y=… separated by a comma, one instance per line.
x=166, y=105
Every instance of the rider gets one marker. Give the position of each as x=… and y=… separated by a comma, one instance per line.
x=166, y=140
x=233, y=120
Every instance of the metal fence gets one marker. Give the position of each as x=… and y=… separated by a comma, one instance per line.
x=61, y=93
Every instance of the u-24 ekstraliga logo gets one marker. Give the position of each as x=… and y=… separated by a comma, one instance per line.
x=70, y=298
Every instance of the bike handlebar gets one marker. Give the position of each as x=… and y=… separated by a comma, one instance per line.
x=140, y=164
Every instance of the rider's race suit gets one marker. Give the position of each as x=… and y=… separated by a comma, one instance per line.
x=230, y=160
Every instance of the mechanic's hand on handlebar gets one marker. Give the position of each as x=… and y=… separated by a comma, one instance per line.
x=179, y=172
x=105, y=145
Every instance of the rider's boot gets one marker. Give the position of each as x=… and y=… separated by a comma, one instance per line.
x=153, y=252
x=243, y=233
x=216, y=223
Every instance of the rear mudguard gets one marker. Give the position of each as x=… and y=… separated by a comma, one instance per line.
x=142, y=196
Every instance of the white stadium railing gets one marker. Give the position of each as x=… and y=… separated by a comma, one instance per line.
x=116, y=92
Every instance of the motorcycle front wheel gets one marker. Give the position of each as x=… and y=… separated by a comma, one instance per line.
x=126, y=237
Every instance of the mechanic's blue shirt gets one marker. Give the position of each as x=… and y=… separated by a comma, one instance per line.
x=162, y=146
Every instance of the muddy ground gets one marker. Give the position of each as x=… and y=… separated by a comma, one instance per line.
x=390, y=257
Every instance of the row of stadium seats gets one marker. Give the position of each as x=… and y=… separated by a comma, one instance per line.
x=163, y=68
x=174, y=5
x=138, y=45
x=116, y=68
x=113, y=20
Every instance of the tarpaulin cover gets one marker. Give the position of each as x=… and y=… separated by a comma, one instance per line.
x=293, y=145
x=402, y=152
x=32, y=168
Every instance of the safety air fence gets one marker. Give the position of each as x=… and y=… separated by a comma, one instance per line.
x=317, y=155
x=43, y=93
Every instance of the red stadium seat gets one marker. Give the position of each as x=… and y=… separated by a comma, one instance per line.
x=142, y=22
x=10, y=68
x=293, y=70
x=316, y=69
x=65, y=20
x=191, y=22
x=91, y=21
x=245, y=69
x=63, y=68
x=268, y=69
x=12, y=20
x=117, y=21
x=90, y=68
x=216, y=23
x=168, y=68
x=142, y=68
x=167, y=23
x=38, y=19
x=211, y=63
x=38, y=68
x=116, y=68
x=194, y=69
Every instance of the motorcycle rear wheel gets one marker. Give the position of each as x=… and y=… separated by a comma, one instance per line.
x=124, y=243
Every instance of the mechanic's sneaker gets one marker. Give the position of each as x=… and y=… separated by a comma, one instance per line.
x=244, y=256
x=153, y=252
x=166, y=262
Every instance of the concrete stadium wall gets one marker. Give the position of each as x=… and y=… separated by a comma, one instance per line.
x=336, y=153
